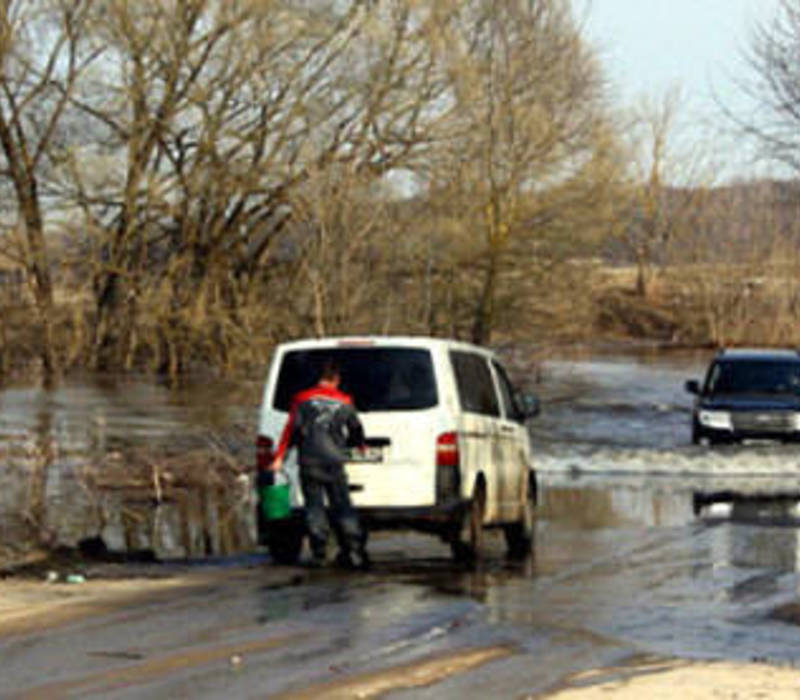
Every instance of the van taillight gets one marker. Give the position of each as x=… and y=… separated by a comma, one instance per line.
x=265, y=452
x=448, y=477
x=447, y=450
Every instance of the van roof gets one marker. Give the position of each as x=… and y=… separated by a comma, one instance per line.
x=355, y=341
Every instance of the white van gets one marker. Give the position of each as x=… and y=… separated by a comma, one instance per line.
x=448, y=451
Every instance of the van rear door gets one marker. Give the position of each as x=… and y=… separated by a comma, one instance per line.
x=395, y=394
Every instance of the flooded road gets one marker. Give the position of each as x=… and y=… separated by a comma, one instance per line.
x=621, y=569
x=645, y=545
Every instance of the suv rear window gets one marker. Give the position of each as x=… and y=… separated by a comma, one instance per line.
x=378, y=379
x=754, y=377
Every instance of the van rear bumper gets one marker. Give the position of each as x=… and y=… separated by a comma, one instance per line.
x=434, y=519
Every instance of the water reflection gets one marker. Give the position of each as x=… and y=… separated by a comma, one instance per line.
x=612, y=505
x=752, y=531
x=751, y=527
x=53, y=442
x=47, y=439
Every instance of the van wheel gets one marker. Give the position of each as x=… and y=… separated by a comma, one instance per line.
x=284, y=540
x=467, y=543
x=520, y=535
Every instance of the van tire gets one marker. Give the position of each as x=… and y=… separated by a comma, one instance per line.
x=467, y=543
x=520, y=535
x=284, y=539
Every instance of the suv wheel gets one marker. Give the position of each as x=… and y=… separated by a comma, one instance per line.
x=520, y=535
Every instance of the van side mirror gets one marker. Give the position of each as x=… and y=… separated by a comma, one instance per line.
x=528, y=405
x=693, y=386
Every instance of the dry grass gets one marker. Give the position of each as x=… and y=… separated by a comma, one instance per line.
x=698, y=305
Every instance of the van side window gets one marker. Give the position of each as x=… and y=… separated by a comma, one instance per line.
x=475, y=386
x=510, y=408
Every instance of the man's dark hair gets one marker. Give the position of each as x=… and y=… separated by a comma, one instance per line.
x=330, y=370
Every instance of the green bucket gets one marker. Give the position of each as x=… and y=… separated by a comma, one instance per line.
x=275, y=501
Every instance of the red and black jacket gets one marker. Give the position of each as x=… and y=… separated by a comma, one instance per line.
x=322, y=423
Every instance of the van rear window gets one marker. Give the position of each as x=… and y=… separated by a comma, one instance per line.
x=378, y=379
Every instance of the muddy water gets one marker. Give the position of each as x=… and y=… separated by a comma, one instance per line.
x=603, y=415
x=631, y=415
x=621, y=568
x=657, y=566
x=49, y=438
x=644, y=543
x=623, y=401
x=677, y=548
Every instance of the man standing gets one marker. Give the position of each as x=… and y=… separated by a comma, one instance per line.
x=322, y=423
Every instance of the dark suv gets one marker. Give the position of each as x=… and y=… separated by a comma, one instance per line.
x=748, y=394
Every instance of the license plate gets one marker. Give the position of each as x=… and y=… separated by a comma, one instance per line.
x=366, y=454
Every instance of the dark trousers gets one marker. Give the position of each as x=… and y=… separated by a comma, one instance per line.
x=329, y=481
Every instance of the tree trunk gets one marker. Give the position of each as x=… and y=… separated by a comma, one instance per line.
x=641, y=273
x=484, y=315
x=38, y=269
x=116, y=306
x=107, y=307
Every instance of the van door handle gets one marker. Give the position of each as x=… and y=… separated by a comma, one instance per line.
x=506, y=429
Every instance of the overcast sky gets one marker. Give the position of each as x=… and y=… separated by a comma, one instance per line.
x=647, y=46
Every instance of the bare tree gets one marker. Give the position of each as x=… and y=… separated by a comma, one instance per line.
x=341, y=233
x=43, y=53
x=221, y=156
x=214, y=114
x=529, y=142
x=773, y=86
x=667, y=185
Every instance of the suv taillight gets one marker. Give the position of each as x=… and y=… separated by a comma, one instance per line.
x=264, y=452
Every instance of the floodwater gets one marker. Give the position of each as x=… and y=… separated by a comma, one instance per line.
x=645, y=544
x=49, y=439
